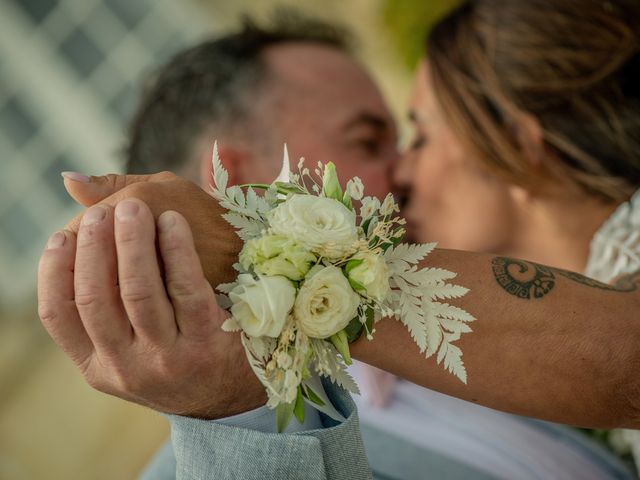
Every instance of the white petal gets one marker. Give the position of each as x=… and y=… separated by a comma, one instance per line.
x=283, y=176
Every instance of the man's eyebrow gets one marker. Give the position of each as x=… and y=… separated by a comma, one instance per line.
x=368, y=119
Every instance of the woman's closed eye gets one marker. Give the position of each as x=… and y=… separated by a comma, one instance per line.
x=418, y=141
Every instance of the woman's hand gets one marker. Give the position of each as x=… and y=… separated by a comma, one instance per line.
x=215, y=240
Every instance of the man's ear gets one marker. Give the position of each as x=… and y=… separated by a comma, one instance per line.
x=231, y=157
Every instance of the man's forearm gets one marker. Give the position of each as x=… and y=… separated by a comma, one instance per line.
x=547, y=343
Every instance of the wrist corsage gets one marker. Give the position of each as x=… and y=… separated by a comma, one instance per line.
x=316, y=273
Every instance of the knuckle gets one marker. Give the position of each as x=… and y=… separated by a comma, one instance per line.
x=87, y=297
x=52, y=313
x=173, y=248
x=183, y=287
x=115, y=181
x=136, y=290
x=47, y=312
x=96, y=383
x=137, y=190
x=193, y=298
x=198, y=306
x=165, y=175
x=89, y=237
x=93, y=376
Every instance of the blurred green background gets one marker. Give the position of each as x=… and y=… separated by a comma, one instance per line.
x=70, y=73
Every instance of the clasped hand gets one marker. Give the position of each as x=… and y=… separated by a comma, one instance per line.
x=124, y=294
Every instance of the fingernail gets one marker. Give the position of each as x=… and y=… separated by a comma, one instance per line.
x=56, y=240
x=76, y=177
x=126, y=210
x=94, y=215
x=166, y=221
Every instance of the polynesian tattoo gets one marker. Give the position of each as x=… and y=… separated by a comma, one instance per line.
x=529, y=280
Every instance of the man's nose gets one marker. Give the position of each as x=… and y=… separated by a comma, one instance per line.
x=401, y=172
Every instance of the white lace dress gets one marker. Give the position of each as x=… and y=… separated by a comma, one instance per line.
x=615, y=251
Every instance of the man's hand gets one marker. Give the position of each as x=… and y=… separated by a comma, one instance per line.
x=158, y=343
x=215, y=240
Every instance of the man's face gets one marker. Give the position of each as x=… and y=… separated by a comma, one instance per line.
x=328, y=109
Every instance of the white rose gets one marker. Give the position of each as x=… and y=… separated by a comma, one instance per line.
x=322, y=225
x=262, y=306
x=326, y=303
x=372, y=274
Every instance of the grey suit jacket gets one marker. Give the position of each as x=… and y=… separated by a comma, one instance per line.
x=203, y=449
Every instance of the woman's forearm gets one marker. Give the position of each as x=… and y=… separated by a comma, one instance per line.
x=546, y=343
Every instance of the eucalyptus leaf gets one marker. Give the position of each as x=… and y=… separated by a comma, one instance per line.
x=312, y=396
x=298, y=409
x=351, y=264
x=355, y=285
x=341, y=343
x=370, y=318
x=284, y=412
x=346, y=201
x=263, y=186
x=354, y=330
x=365, y=224
x=286, y=188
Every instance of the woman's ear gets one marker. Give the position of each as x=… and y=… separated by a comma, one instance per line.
x=530, y=138
x=232, y=159
x=519, y=195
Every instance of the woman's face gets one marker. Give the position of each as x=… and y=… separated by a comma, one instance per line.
x=453, y=199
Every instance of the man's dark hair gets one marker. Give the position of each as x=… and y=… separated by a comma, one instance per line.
x=212, y=84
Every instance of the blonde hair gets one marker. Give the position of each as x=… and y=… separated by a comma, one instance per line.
x=574, y=65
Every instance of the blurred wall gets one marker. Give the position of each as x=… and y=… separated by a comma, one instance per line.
x=70, y=71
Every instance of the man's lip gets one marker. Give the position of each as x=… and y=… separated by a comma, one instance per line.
x=410, y=227
x=410, y=237
x=402, y=201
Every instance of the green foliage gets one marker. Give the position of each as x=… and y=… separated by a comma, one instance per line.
x=311, y=395
x=341, y=342
x=298, y=409
x=284, y=412
x=409, y=22
x=354, y=330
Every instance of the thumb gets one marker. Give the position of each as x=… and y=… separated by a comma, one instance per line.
x=88, y=190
